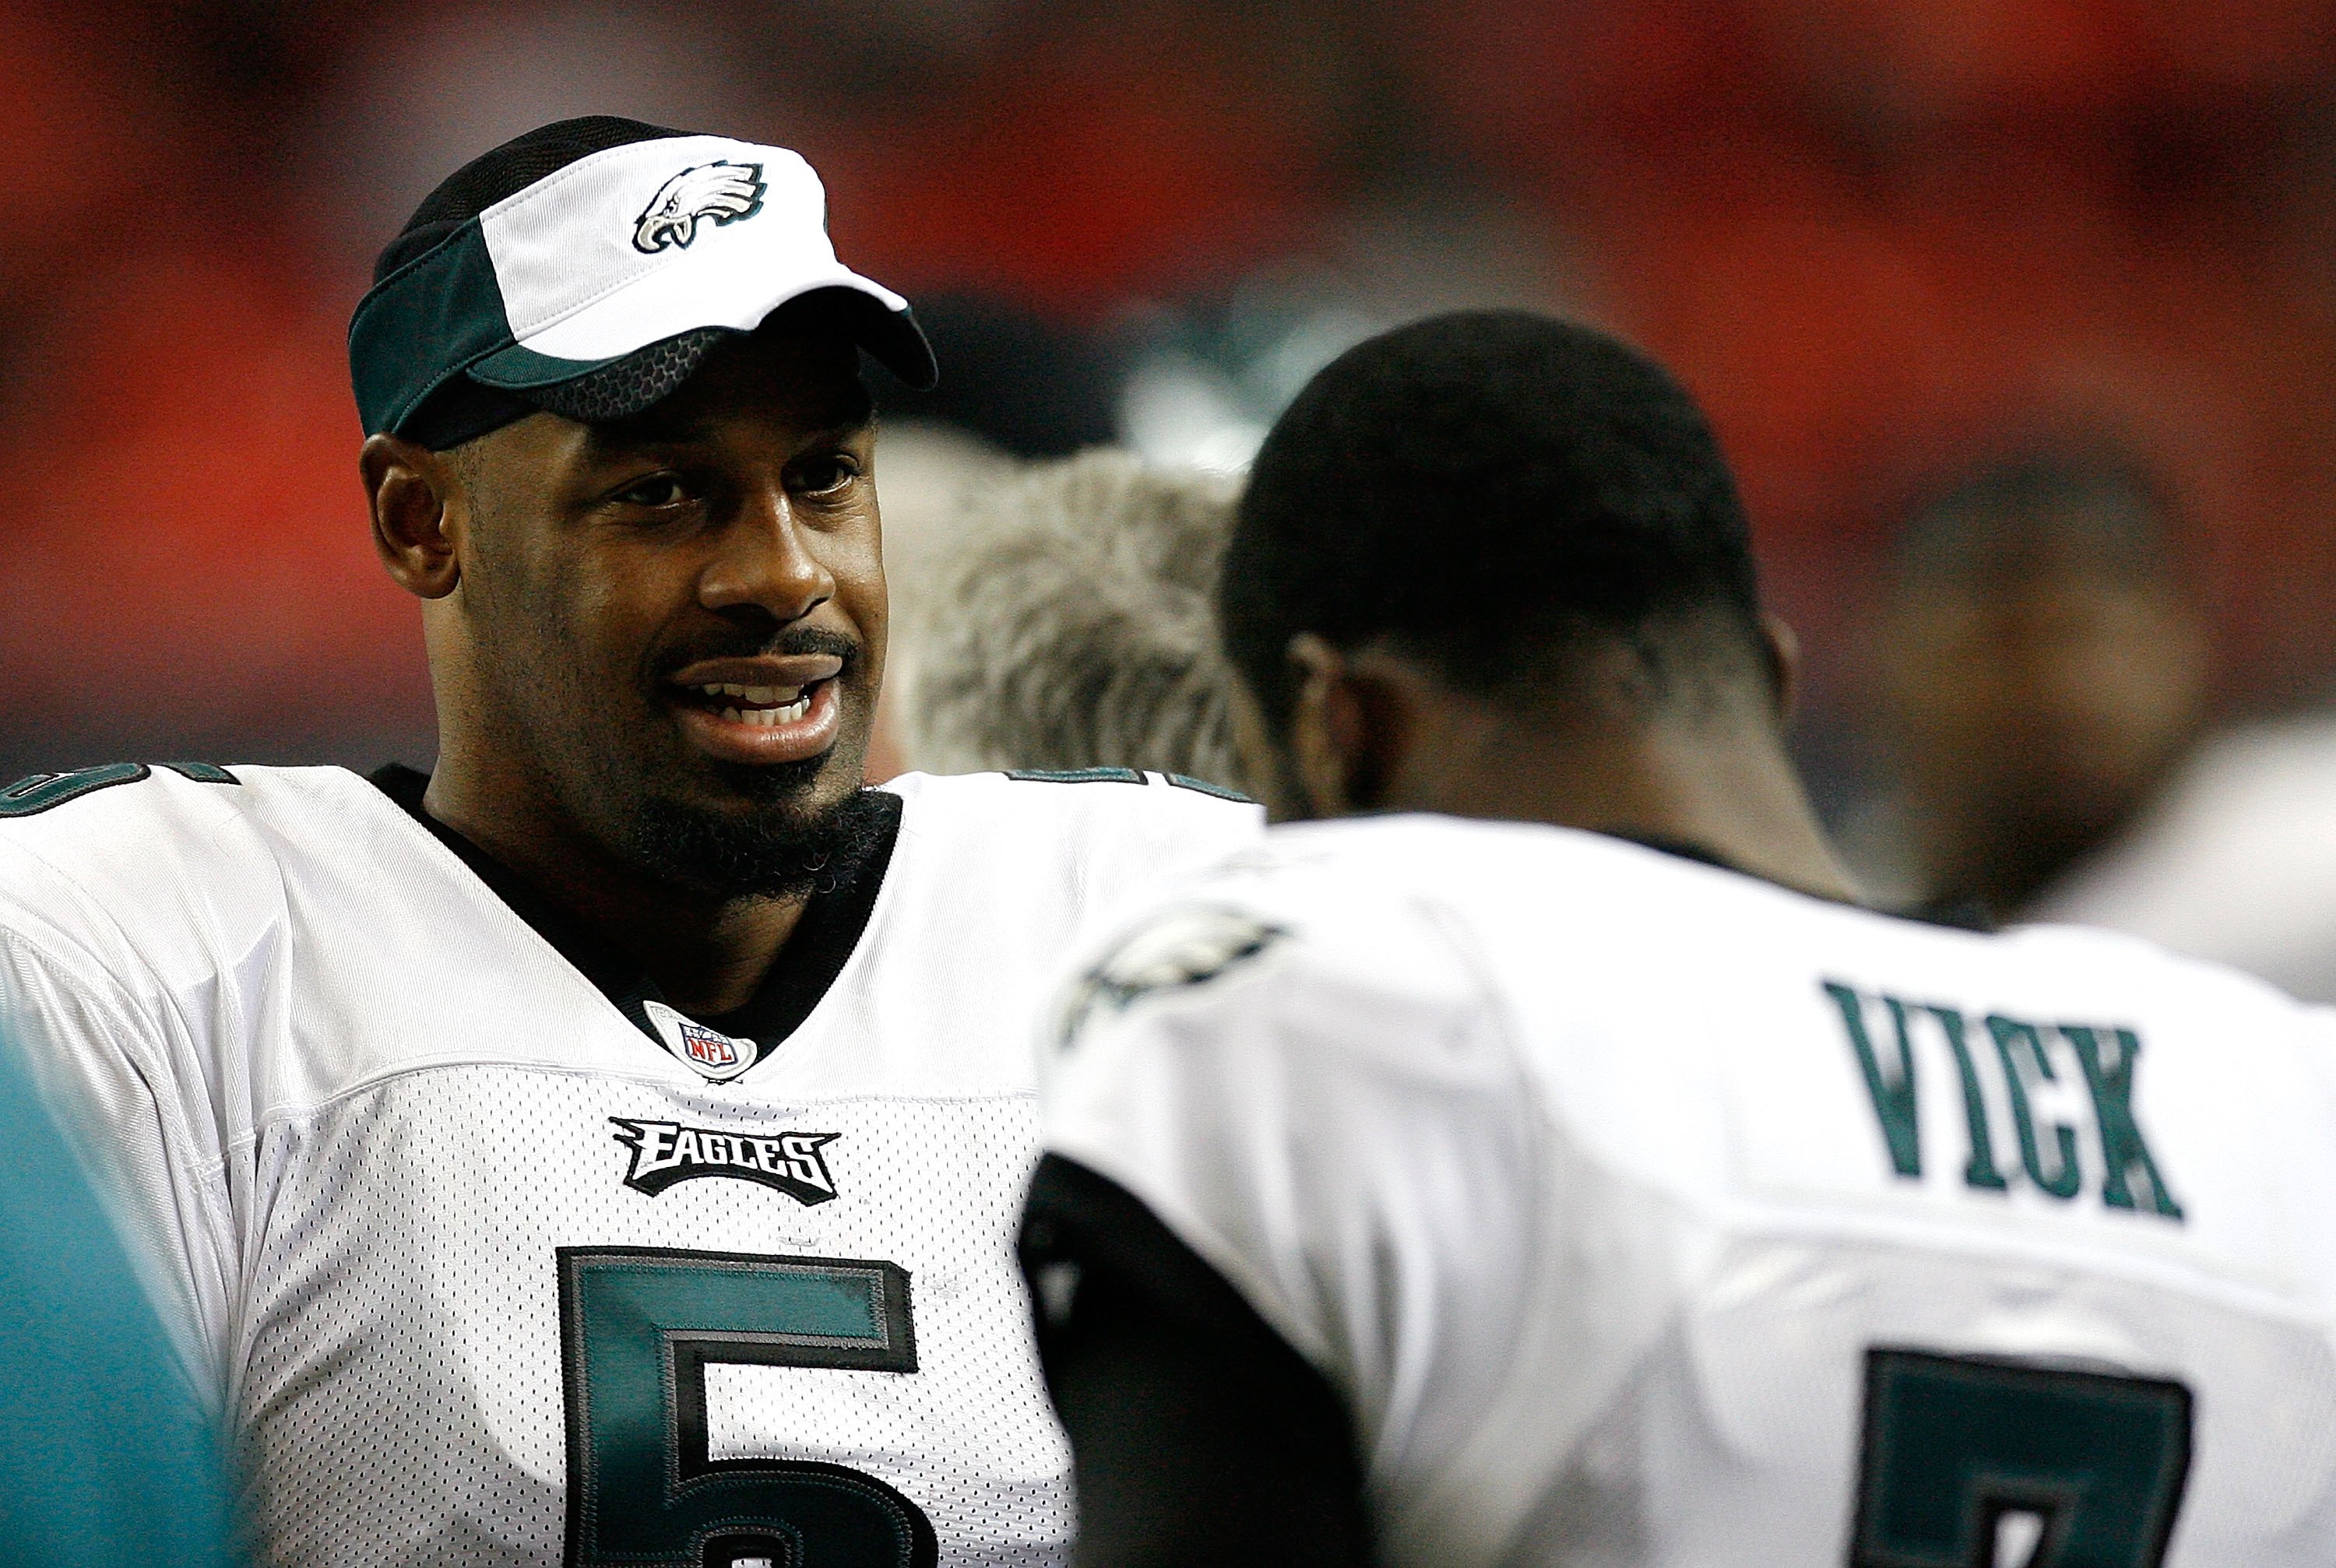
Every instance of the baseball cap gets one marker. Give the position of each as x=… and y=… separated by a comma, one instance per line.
x=587, y=268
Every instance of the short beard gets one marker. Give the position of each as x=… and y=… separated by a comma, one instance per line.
x=778, y=852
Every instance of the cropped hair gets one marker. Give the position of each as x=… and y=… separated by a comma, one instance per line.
x=1067, y=624
x=2093, y=496
x=1494, y=493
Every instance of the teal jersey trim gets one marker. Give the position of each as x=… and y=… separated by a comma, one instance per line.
x=1074, y=775
x=106, y=1454
x=46, y=791
x=1185, y=781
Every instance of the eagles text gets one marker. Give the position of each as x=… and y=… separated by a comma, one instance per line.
x=666, y=1153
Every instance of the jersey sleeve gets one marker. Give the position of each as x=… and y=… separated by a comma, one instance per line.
x=1163, y=831
x=1111, y=836
x=1320, y=1102
x=115, y=1063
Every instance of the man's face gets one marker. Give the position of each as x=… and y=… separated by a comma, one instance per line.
x=2036, y=703
x=676, y=623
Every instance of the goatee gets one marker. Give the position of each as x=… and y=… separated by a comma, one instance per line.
x=780, y=851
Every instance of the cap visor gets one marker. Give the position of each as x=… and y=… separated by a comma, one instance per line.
x=654, y=309
x=893, y=336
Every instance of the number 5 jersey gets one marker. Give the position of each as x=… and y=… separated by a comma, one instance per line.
x=1640, y=1213
x=494, y=1257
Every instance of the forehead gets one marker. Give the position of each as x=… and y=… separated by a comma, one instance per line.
x=791, y=382
x=2005, y=549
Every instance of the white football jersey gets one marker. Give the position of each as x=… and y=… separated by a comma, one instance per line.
x=481, y=1271
x=1643, y=1212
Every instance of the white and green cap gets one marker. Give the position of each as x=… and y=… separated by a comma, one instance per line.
x=587, y=267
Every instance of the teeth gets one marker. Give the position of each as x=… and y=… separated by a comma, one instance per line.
x=754, y=695
x=767, y=717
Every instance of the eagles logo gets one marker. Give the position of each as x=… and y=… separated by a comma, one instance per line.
x=1184, y=947
x=666, y=1153
x=722, y=191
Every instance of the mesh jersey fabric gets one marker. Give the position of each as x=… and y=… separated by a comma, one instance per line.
x=1560, y=1159
x=366, y=1116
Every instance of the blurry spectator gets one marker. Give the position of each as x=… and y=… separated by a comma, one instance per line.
x=2042, y=674
x=2235, y=859
x=1069, y=626
x=925, y=475
x=2045, y=680
x=106, y=1453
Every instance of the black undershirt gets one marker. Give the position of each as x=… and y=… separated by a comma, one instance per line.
x=814, y=954
x=1198, y=1434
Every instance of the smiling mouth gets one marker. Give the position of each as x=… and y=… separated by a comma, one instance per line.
x=752, y=705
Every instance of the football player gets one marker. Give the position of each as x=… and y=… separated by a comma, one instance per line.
x=607, y=1148
x=1553, y=1165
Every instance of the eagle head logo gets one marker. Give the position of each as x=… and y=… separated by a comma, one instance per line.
x=1184, y=947
x=721, y=190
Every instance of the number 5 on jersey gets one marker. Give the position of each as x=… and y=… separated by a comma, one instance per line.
x=638, y=1327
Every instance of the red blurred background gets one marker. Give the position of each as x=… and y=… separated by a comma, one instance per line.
x=1872, y=235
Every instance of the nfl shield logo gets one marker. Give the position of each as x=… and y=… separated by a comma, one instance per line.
x=707, y=1048
x=710, y=1053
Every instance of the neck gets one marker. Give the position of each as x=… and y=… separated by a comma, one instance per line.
x=2003, y=860
x=705, y=954
x=1719, y=781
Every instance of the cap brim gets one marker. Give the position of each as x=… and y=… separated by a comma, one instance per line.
x=893, y=336
x=877, y=320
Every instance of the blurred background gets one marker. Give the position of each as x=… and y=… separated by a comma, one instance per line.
x=2017, y=317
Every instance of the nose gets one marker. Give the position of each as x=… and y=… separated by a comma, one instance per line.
x=763, y=561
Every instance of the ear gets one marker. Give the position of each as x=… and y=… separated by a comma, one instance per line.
x=1781, y=646
x=1351, y=728
x=415, y=497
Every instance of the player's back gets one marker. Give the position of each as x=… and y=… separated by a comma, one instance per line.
x=1645, y=1212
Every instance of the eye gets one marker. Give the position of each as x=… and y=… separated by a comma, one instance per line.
x=826, y=475
x=654, y=491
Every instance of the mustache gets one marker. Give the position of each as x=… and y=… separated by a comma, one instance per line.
x=786, y=640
